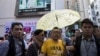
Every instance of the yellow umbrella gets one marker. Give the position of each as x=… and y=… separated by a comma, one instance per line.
x=58, y=18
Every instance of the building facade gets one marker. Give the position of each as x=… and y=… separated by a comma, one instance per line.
x=94, y=13
x=79, y=5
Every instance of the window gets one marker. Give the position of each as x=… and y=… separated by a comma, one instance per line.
x=32, y=7
x=92, y=6
x=67, y=4
x=97, y=13
x=96, y=7
x=94, y=18
x=77, y=6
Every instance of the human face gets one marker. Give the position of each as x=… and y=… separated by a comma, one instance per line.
x=55, y=34
x=97, y=32
x=40, y=37
x=87, y=29
x=17, y=31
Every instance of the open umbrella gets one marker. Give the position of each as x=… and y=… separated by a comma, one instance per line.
x=58, y=18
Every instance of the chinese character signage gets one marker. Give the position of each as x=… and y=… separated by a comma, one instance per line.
x=29, y=26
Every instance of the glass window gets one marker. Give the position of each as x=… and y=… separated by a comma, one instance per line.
x=32, y=7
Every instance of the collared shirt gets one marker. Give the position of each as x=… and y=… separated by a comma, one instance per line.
x=88, y=47
x=18, y=47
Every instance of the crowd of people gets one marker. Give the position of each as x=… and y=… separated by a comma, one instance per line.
x=85, y=43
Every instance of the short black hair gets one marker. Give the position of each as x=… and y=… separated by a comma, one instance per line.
x=87, y=21
x=57, y=28
x=37, y=32
x=95, y=26
x=16, y=23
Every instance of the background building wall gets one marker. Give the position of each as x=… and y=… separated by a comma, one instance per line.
x=83, y=9
x=79, y=5
x=7, y=11
x=95, y=11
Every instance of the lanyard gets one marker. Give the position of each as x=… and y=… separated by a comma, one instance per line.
x=87, y=46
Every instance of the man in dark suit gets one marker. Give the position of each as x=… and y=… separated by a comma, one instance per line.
x=16, y=44
x=86, y=44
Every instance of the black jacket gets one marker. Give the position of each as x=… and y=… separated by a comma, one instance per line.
x=33, y=50
x=12, y=49
x=78, y=45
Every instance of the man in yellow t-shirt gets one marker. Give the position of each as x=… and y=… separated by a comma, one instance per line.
x=53, y=46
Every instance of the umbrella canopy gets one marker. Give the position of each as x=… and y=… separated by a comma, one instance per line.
x=58, y=18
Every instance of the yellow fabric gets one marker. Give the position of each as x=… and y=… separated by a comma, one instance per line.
x=52, y=48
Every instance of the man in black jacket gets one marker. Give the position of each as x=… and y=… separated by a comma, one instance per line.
x=16, y=44
x=86, y=44
x=35, y=47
